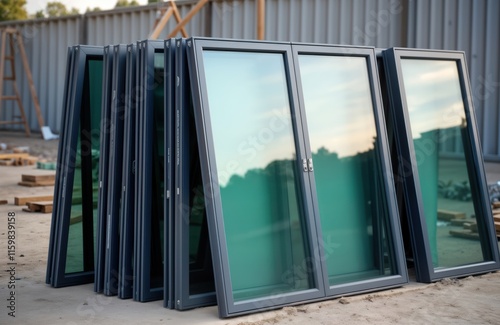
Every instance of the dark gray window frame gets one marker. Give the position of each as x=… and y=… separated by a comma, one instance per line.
x=127, y=204
x=142, y=279
x=102, y=204
x=54, y=226
x=394, y=226
x=413, y=200
x=169, y=172
x=82, y=54
x=111, y=269
x=183, y=299
x=227, y=306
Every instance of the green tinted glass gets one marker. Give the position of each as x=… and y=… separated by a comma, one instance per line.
x=82, y=229
x=348, y=176
x=437, y=118
x=257, y=173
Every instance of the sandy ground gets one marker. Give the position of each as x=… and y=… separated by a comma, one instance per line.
x=473, y=300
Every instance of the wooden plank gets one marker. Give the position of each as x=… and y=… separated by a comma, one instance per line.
x=36, y=184
x=7, y=162
x=497, y=226
x=461, y=222
x=496, y=218
x=496, y=205
x=467, y=234
x=3, y=202
x=471, y=226
x=38, y=178
x=495, y=211
x=44, y=207
x=22, y=200
x=447, y=215
x=13, y=155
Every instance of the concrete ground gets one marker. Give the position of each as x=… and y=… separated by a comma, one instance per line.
x=472, y=300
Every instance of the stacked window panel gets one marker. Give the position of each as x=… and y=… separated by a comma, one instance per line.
x=73, y=243
x=256, y=175
x=431, y=112
x=296, y=173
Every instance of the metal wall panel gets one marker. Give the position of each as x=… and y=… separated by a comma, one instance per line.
x=471, y=26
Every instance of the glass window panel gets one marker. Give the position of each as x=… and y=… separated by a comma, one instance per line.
x=82, y=230
x=348, y=177
x=437, y=118
x=257, y=173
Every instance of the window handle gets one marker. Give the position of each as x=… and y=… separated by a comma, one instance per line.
x=304, y=165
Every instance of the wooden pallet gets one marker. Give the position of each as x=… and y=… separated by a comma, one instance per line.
x=43, y=207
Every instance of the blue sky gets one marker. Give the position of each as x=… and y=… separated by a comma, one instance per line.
x=35, y=5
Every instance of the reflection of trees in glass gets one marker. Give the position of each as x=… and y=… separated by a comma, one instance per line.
x=263, y=205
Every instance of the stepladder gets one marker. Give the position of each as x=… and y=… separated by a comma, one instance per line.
x=12, y=48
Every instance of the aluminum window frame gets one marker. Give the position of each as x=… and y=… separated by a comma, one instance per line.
x=142, y=279
x=404, y=142
x=227, y=306
x=111, y=261
x=82, y=54
x=183, y=299
x=54, y=226
x=102, y=204
x=169, y=172
x=395, y=238
x=127, y=204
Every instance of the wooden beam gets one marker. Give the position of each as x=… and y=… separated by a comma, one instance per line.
x=188, y=17
x=178, y=18
x=261, y=19
x=161, y=24
x=23, y=200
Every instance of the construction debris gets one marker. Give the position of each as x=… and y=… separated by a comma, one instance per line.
x=17, y=159
x=46, y=165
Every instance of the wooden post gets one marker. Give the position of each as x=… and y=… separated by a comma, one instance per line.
x=188, y=17
x=261, y=19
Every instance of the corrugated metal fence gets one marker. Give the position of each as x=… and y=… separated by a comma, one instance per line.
x=469, y=25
